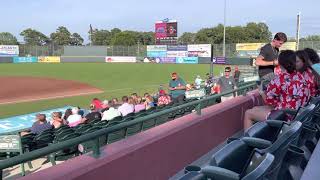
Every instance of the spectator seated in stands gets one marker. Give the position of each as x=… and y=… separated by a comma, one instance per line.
x=314, y=59
x=67, y=113
x=75, y=118
x=198, y=82
x=286, y=91
x=149, y=103
x=134, y=96
x=164, y=98
x=39, y=126
x=177, y=87
x=57, y=120
x=139, y=105
x=105, y=105
x=111, y=113
x=303, y=66
x=93, y=115
x=146, y=95
x=97, y=103
x=126, y=108
x=189, y=87
x=236, y=75
x=131, y=101
x=115, y=102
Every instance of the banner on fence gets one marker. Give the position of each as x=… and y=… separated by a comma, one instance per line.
x=177, y=48
x=199, y=50
x=9, y=50
x=167, y=60
x=177, y=54
x=25, y=59
x=157, y=48
x=122, y=59
x=156, y=54
x=249, y=46
x=219, y=60
x=187, y=60
x=289, y=46
x=49, y=59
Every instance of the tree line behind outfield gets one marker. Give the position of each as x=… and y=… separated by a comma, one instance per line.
x=250, y=33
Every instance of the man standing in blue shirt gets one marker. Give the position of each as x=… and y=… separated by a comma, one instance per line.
x=177, y=88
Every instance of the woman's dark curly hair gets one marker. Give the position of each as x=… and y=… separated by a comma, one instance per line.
x=287, y=59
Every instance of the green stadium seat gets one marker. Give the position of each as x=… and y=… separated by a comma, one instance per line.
x=128, y=119
x=63, y=133
x=94, y=121
x=118, y=118
x=117, y=135
x=61, y=128
x=88, y=146
x=43, y=139
x=134, y=129
x=162, y=119
x=148, y=124
x=82, y=127
x=129, y=115
x=65, y=154
x=101, y=123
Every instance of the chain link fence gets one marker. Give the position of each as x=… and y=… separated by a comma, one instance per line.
x=139, y=51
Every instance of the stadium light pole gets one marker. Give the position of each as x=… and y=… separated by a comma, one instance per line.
x=298, y=30
x=224, y=28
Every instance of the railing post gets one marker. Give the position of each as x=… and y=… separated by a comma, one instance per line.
x=96, y=148
x=198, y=109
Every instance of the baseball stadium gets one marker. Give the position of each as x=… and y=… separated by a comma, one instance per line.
x=229, y=102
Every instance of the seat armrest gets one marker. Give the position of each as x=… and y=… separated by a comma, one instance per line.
x=218, y=173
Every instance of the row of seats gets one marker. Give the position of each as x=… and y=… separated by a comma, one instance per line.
x=274, y=149
x=31, y=142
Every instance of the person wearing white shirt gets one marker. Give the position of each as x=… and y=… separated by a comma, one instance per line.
x=110, y=113
x=198, y=82
x=75, y=118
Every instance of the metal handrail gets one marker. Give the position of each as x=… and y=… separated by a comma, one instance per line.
x=94, y=136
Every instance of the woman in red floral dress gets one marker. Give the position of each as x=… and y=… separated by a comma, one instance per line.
x=285, y=91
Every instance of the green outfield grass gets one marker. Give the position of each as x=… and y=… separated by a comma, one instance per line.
x=115, y=79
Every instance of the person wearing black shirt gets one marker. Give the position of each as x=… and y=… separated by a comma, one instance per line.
x=268, y=58
x=93, y=115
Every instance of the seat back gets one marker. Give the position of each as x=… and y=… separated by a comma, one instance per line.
x=289, y=134
x=118, y=118
x=267, y=130
x=236, y=151
x=258, y=167
x=305, y=113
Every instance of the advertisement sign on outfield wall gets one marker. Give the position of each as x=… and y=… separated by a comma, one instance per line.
x=9, y=50
x=25, y=59
x=157, y=48
x=177, y=48
x=167, y=60
x=49, y=59
x=156, y=54
x=199, y=50
x=123, y=59
x=177, y=54
x=187, y=60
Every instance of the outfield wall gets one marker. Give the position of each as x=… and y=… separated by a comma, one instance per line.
x=85, y=51
x=66, y=59
x=6, y=59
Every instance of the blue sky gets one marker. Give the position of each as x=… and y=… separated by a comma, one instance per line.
x=192, y=15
